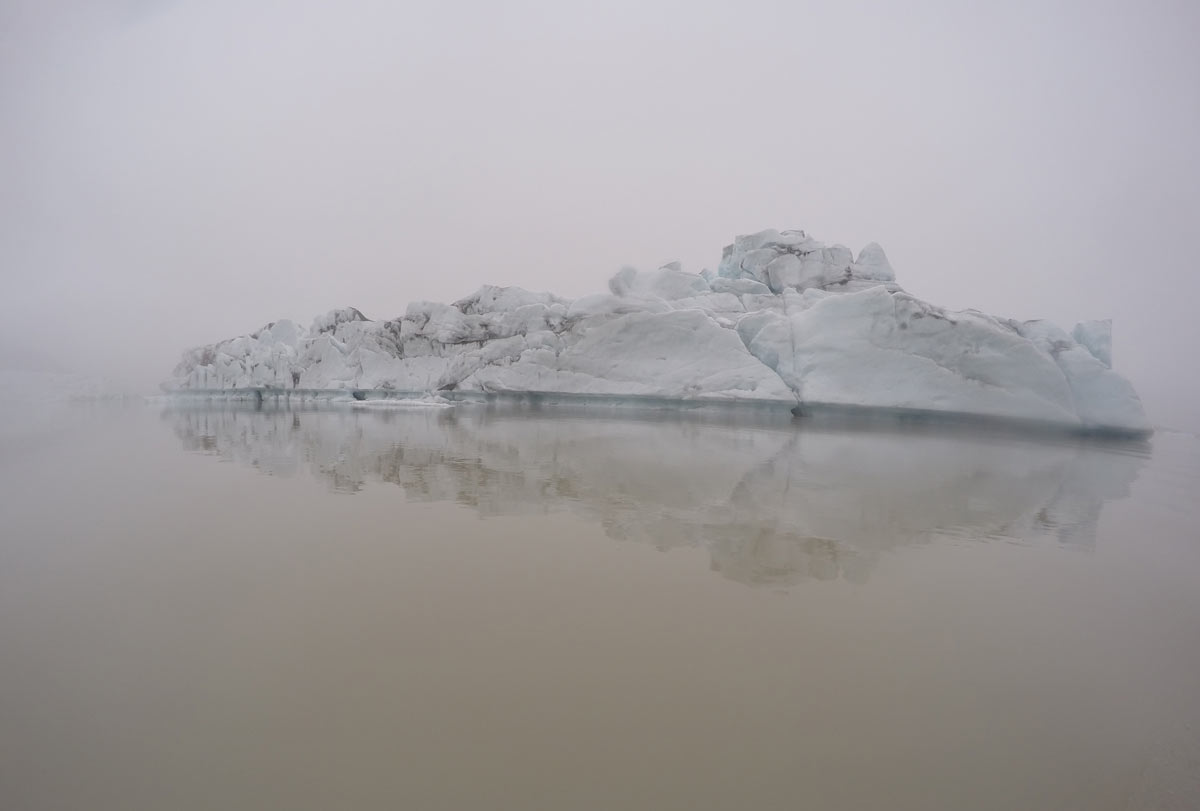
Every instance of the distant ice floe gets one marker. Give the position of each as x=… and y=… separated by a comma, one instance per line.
x=387, y=403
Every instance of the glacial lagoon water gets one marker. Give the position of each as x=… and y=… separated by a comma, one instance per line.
x=222, y=608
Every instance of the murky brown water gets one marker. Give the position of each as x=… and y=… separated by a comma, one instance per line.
x=457, y=610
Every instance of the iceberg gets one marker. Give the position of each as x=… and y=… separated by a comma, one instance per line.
x=785, y=320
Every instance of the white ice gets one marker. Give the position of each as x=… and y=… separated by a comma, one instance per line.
x=784, y=319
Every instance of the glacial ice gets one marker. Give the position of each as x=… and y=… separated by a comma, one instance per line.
x=785, y=319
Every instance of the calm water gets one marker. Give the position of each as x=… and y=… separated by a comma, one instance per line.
x=222, y=609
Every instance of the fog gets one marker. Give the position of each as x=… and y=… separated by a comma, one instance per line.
x=175, y=173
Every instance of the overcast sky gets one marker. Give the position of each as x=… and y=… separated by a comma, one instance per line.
x=174, y=172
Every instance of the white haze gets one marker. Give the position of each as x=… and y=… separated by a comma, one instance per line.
x=179, y=172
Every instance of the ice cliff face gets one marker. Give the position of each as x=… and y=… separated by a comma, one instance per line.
x=784, y=319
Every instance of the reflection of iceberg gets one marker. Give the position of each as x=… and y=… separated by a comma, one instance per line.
x=771, y=503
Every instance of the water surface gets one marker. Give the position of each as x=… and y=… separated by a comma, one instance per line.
x=464, y=608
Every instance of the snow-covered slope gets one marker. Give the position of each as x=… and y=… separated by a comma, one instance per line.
x=785, y=319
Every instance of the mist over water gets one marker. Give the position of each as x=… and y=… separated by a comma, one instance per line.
x=179, y=172
x=314, y=608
